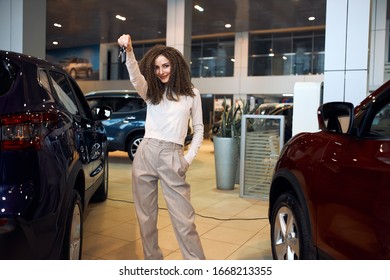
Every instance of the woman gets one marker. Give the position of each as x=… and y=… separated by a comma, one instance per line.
x=163, y=80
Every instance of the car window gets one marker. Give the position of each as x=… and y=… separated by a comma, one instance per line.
x=43, y=81
x=381, y=123
x=64, y=92
x=7, y=76
x=82, y=104
x=129, y=104
x=95, y=102
x=118, y=104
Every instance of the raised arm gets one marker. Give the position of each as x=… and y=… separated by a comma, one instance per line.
x=136, y=78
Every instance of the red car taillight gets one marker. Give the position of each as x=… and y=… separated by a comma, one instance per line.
x=24, y=131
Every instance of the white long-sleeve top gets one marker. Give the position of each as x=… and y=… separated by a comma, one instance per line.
x=168, y=120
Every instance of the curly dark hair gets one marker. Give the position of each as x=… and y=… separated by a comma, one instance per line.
x=179, y=83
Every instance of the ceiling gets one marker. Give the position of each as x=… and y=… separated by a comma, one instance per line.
x=90, y=22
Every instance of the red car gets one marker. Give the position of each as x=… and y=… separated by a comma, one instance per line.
x=330, y=193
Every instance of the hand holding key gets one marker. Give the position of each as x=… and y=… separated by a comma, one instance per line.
x=124, y=41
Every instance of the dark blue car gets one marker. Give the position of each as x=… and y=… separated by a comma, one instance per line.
x=53, y=159
x=126, y=126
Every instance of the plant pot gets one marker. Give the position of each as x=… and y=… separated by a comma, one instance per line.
x=226, y=156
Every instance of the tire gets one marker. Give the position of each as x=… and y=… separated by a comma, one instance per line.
x=101, y=193
x=73, y=73
x=132, y=146
x=72, y=245
x=290, y=233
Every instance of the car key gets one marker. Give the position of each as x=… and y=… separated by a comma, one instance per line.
x=122, y=55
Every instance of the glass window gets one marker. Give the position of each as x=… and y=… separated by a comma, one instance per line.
x=7, y=76
x=121, y=104
x=141, y=49
x=302, y=47
x=212, y=57
x=43, y=81
x=292, y=53
x=319, y=42
x=281, y=44
x=260, y=45
x=381, y=123
x=318, y=53
x=64, y=92
x=95, y=102
x=118, y=104
x=79, y=97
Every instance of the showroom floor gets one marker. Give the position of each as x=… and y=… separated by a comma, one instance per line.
x=230, y=227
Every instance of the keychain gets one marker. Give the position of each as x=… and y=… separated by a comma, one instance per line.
x=122, y=55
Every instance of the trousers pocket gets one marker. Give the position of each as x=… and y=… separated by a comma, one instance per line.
x=184, y=165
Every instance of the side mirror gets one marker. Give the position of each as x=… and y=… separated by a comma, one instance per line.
x=102, y=112
x=336, y=117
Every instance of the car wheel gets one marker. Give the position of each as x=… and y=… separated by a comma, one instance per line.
x=102, y=191
x=73, y=73
x=133, y=146
x=290, y=234
x=72, y=245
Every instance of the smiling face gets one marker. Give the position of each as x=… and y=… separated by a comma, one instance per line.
x=162, y=68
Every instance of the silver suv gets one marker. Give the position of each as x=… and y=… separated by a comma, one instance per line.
x=77, y=66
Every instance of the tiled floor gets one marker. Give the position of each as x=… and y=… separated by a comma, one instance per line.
x=230, y=227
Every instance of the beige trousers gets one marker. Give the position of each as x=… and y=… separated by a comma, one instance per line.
x=160, y=160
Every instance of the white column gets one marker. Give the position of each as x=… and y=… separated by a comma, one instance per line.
x=241, y=54
x=23, y=26
x=346, y=50
x=377, y=44
x=179, y=26
x=240, y=61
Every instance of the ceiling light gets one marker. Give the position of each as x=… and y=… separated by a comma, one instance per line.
x=120, y=17
x=55, y=43
x=288, y=94
x=311, y=18
x=228, y=25
x=199, y=8
x=57, y=25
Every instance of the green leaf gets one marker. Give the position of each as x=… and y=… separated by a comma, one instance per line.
x=231, y=118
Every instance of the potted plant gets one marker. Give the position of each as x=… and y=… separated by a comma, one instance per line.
x=227, y=144
x=226, y=148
